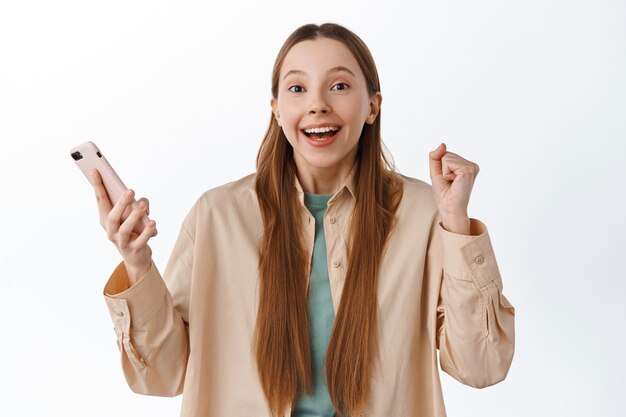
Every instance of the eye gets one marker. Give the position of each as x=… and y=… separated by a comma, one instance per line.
x=290, y=88
x=344, y=84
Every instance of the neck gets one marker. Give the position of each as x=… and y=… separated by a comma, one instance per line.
x=322, y=180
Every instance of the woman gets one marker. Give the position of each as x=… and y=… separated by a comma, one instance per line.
x=324, y=282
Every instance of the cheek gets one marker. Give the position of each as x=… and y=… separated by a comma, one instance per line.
x=290, y=131
x=354, y=112
x=288, y=117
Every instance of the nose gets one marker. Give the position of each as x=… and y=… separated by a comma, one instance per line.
x=318, y=104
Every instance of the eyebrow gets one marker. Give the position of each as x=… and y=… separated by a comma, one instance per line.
x=333, y=69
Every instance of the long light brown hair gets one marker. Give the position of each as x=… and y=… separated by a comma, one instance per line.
x=281, y=338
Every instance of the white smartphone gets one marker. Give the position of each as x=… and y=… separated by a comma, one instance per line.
x=87, y=157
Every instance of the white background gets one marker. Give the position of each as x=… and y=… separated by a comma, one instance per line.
x=176, y=94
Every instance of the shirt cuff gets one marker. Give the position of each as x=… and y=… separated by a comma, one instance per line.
x=470, y=257
x=138, y=302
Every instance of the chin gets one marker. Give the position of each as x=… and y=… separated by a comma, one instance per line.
x=322, y=161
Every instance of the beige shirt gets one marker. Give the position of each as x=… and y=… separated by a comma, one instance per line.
x=189, y=330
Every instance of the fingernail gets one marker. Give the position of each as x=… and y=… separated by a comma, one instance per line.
x=128, y=193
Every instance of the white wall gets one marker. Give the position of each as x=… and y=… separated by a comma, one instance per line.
x=176, y=94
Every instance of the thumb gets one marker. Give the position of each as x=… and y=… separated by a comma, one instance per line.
x=435, y=161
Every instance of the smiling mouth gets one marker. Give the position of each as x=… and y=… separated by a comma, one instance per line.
x=323, y=135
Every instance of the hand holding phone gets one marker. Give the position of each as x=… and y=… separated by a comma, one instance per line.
x=126, y=222
x=131, y=245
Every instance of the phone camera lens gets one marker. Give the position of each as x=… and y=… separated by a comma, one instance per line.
x=77, y=156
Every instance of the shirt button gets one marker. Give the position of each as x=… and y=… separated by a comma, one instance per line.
x=335, y=264
x=480, y=259
x=120, y=313
x=332, y=220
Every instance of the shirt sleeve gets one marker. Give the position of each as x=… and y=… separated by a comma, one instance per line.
x=151, y=322
x=475, y=322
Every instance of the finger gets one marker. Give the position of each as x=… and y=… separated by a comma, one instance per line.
x=455, y=162
x=145, y=200
x=145, y=235
x=447, y=172
x=438, y=152
x=114, y=219
x=147, y=203
x=102, y=197
x=127, y=227
x=459, y=160
x=454, y=165
x=435, y=161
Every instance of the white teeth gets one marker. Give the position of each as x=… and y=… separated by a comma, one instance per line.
x=322, y=129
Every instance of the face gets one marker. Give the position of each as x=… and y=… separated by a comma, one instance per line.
x=321, y=84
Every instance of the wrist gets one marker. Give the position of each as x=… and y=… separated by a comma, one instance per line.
x=135, y=274
x=457, y=224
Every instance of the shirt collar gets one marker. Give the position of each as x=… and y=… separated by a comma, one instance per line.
x=349, y=184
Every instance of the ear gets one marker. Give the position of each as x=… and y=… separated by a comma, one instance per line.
x=274, y=106
x=375, y=102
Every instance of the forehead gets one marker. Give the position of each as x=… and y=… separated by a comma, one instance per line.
x=317, y=56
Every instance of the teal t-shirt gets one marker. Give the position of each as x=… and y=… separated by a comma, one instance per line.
x=321, y=315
